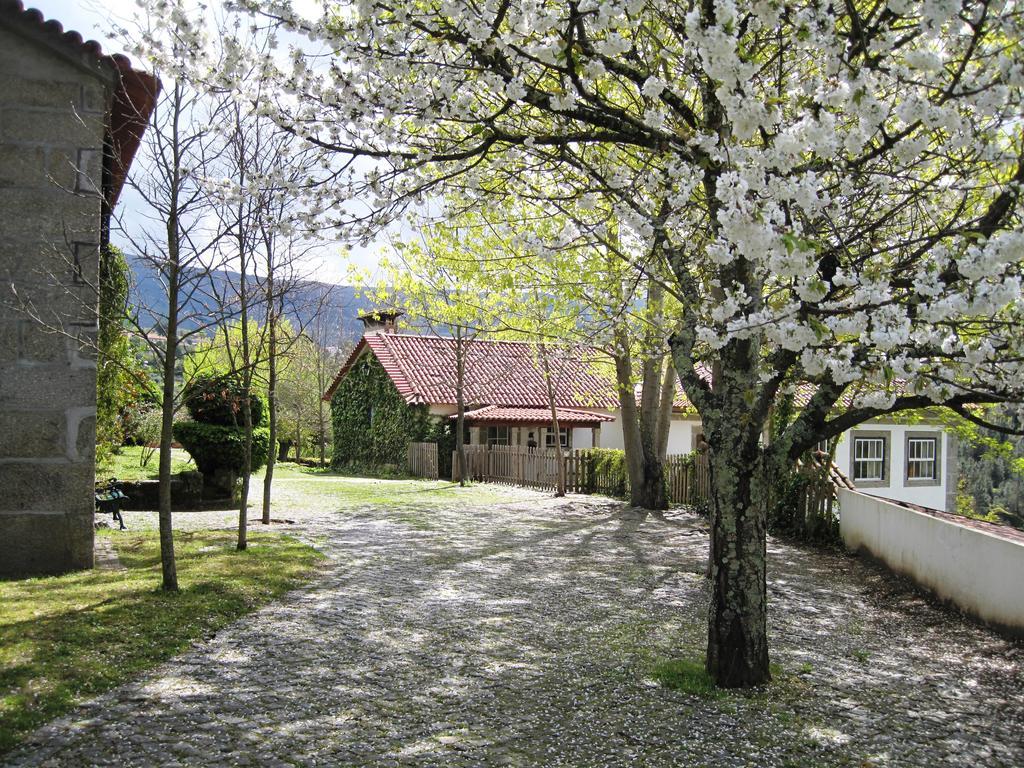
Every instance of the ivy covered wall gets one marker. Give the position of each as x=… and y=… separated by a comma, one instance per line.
x=373, y=425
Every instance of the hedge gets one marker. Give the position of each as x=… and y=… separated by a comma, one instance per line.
x=214, y=446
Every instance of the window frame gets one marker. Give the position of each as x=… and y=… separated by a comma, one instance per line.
x=917, y=482
x=488, y=441
x=549, y=433
x=885, y=437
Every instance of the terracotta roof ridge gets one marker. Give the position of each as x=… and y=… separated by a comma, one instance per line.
x=71, y=38
x=517, y=342
x=397, y=360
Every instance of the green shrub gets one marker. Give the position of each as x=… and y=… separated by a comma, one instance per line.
x=606, y=472
x=218, y=400
x=214, y=446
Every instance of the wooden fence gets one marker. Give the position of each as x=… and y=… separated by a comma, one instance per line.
x=687, y=477
x=814, y=512
x=423, y=460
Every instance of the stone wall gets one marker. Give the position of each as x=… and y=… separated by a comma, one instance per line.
x=52, y=112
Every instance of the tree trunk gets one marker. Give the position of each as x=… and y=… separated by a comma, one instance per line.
x=268, y=478
x=321, y=434
x=560, y=480
x=460, y=400
x=168, y=566
x=629, y=416
x=737, y=626
x=243, y=502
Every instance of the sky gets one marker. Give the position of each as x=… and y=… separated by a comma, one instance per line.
x=93, y=19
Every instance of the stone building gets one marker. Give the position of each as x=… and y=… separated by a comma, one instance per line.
x=71, y=119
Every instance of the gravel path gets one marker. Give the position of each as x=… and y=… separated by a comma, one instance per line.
x=523, y=632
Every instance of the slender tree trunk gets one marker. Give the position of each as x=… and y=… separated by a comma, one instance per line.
x=628, y=415
x=168, y=566
x=321, y=434
x=560, y=480
x=460, y=404
x=247, y=375
x=268, y=478
x=243, y=502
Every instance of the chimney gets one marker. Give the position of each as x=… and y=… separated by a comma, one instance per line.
x=381, y=321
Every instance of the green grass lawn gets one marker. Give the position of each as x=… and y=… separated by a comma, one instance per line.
x=127, y=464
x=67, y=638
x=354, y=491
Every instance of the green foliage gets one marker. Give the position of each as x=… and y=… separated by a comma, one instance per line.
x=122, y=382
x=372, y=423
x=221, y=355
x=214, y=446
x=606, y=472
x=991, y=485
x=64, y=639
x=685, y=675
x=219, y=400
x=788, y=490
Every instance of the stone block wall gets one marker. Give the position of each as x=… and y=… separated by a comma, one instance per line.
x=52, y=117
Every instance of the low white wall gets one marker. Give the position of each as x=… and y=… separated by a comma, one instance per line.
x=981, y=573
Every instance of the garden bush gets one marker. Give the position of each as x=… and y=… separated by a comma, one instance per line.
x=215, y=446
x=218, y=400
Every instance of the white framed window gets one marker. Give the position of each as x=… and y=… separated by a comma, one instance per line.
x=923, y=458
x=870, y=459
x=563, y=437
x=497, y=436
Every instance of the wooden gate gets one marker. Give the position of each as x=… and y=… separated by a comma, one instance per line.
x=423, y=460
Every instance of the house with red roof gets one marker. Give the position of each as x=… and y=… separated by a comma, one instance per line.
x=71, y=120
x=395, y=387
x=505, y=393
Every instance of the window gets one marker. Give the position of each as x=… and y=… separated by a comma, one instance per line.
x=921, y=458
x=825, y=446
x=923, y=451
x=497, y=435
x=563, y=437
x=86, y=262
x=88, y=171
x=870, y=458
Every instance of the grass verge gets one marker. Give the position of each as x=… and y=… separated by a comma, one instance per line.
x=67, y=638
x=127, y=464
x=685, y=675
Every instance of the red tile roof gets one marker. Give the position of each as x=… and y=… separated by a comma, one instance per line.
x=505, y=373
x=134, y=95
x=508, y=373
x=496, y=414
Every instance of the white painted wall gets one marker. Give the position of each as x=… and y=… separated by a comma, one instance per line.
x=895, y=486
x=979, y=572
x=582, y=437
x=680, y=435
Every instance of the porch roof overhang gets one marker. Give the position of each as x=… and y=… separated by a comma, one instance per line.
x=495, y=414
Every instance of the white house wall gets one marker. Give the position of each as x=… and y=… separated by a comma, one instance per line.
x=680, y=435
x=940, y=496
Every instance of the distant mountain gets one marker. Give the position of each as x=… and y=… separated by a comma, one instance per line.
x=339, y=305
